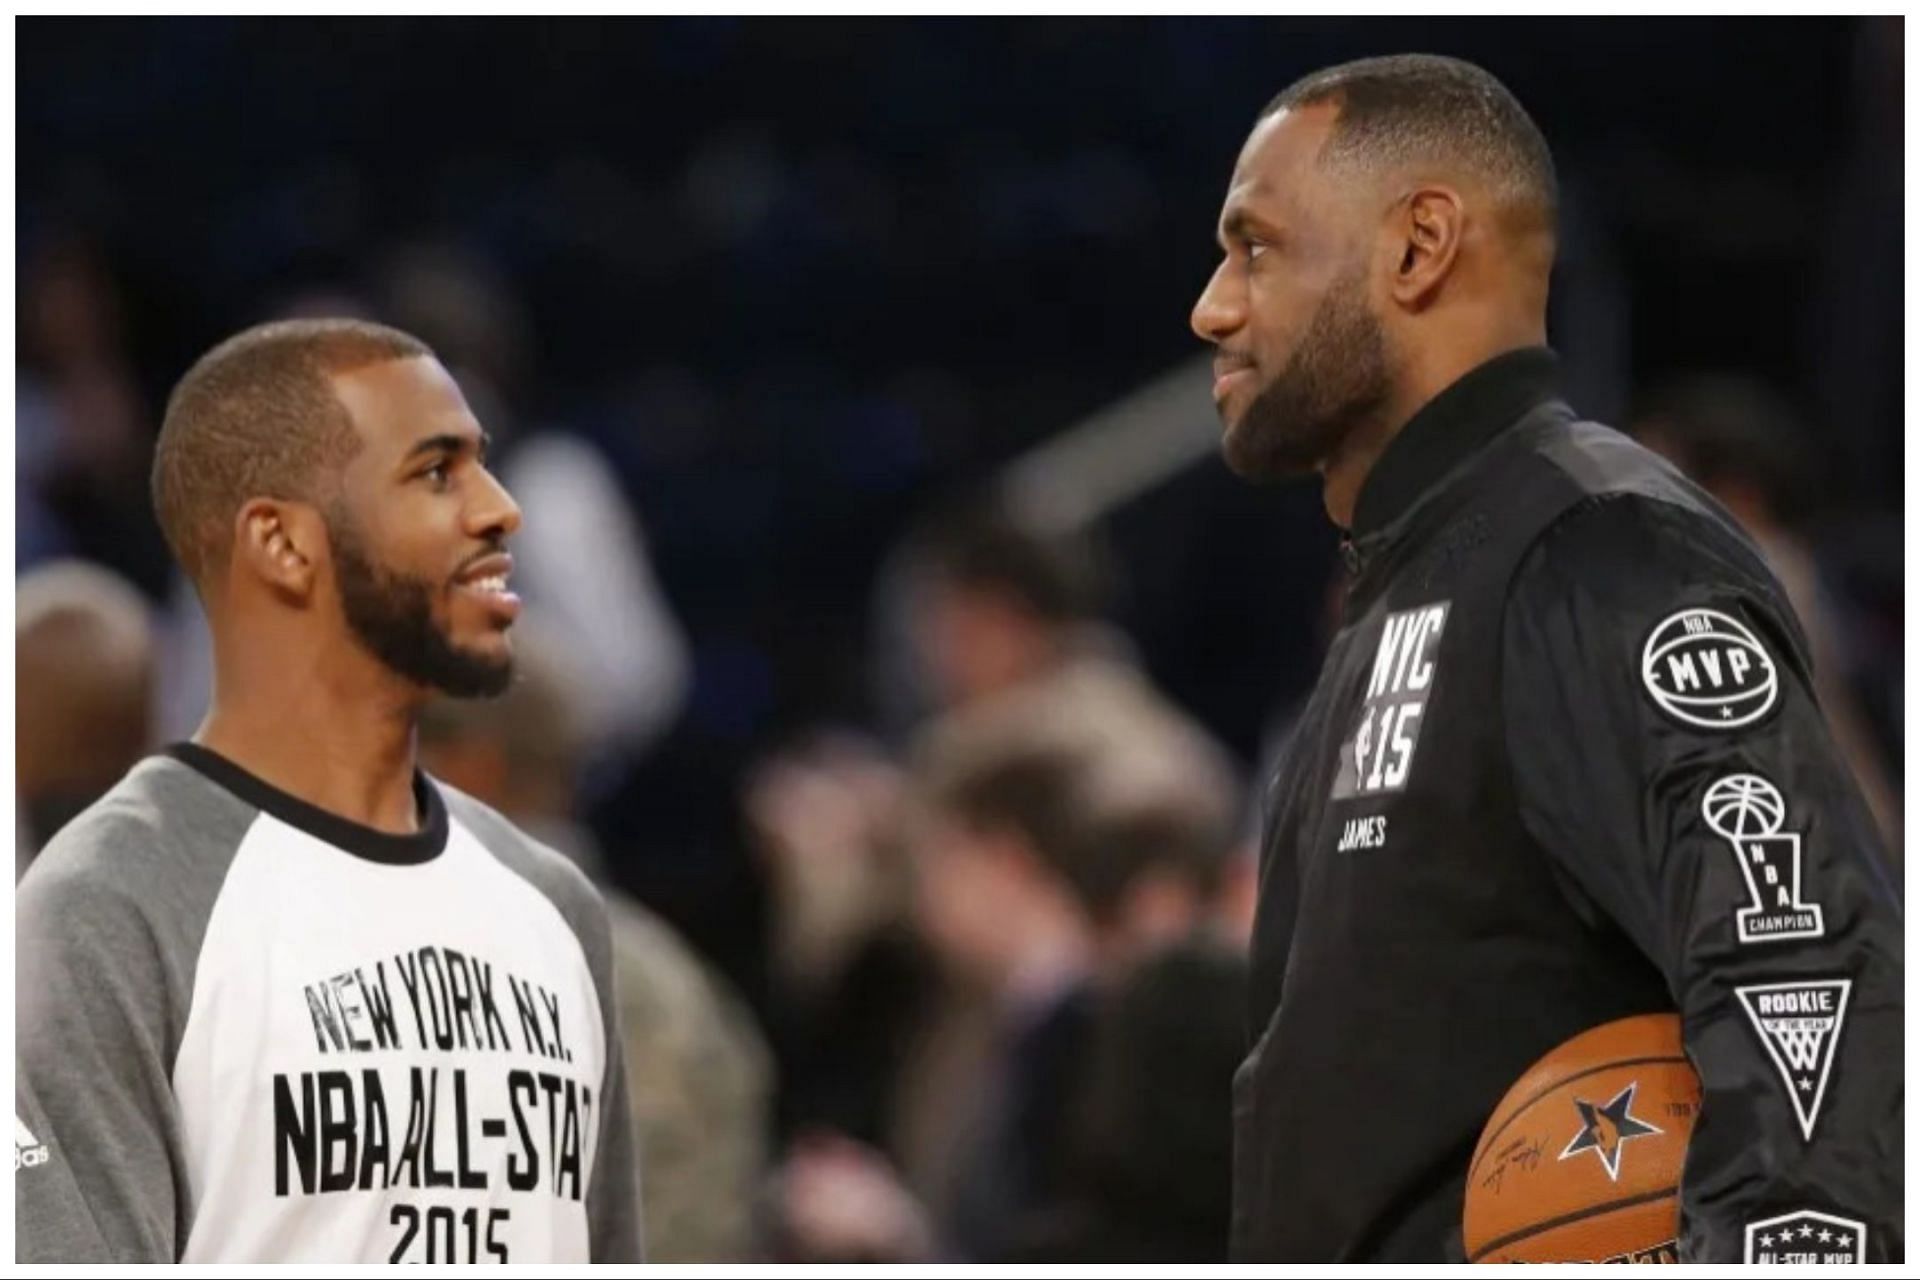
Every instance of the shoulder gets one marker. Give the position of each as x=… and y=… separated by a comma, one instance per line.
x=1625, y=579
x=1598, y=461
x=1639, y=542
x=121, y=897
x=163, y=835
x=546, y=869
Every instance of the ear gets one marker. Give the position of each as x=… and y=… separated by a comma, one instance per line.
x=281, y=544
x=1425, y=235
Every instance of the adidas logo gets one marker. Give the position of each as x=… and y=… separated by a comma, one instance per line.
x=28, y=1151
x=1799, y=1023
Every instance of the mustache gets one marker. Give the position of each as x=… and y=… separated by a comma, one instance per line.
x=493, y=548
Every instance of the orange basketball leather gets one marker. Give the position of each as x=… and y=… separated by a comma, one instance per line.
x=1581, y=1160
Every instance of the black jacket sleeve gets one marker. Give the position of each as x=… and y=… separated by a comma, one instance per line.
x=1669, y=754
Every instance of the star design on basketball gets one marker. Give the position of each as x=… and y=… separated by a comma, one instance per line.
x=1606, y=1130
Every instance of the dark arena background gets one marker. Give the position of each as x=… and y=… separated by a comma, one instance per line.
x=821, y=354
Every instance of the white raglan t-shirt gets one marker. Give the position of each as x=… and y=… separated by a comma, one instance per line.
x=254, y=1031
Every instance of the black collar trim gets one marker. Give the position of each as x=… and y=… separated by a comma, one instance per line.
x=352, y=837
x=1453, y=425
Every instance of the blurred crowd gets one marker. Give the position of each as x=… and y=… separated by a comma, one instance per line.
x=928, y=833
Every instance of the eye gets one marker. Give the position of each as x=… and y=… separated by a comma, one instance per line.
x=1255, y=250
x=438, y=474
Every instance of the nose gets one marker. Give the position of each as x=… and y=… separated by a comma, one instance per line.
x=1222, y=307
x=493, y=513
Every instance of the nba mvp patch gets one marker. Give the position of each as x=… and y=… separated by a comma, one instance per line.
x=1807, y=1236
x=1799, y=1023
x=1706, y=669
x=1378, y=755
x=1748, y=812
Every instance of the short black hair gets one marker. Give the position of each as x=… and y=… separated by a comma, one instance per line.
x=1411, y=107
x=978, y=544
x=257, y=417
x=1050, y=794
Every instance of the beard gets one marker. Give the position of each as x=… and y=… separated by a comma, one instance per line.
x=391, y=615
x=1336, y=377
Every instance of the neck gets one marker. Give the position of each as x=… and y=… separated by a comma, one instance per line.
x=331, y=727
x=1424, y=374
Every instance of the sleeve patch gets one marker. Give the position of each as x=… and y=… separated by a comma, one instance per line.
x=1706, y=669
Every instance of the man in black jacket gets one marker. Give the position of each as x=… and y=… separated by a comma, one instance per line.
x=1563, y=763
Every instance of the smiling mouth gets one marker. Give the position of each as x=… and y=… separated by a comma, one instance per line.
x=486, y=581
x=1226, y=373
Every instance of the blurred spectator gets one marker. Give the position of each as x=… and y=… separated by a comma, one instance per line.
x=698, y=1075
x=1742, y=442
x=1153, y=1139
x=83, y=435
x=997, y=605
x=1046, y=871
x=1009, y=632
x=83, y=669
x=851, y=979
x=840, y=1201
x=1006, y=628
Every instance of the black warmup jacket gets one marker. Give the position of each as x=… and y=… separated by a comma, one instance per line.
x=1563, y=765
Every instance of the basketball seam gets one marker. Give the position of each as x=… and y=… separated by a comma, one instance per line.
x=1561, y=1083
x=1578, y=1215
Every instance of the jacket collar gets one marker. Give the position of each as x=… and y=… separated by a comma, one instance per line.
x=1450, y=428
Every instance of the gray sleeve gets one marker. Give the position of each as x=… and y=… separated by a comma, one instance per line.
x=52, y=1223
x=108, y=922
x=613, y=1197
x=92, y=1040
x=613, y=1192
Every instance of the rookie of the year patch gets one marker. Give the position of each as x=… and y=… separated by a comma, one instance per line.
x=1706, y=669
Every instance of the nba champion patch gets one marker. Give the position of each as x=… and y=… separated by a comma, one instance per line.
x=1748, y=812
x=1807, y=1236
x=1378, y=755
x=1799, y=1023
x=1705, y=668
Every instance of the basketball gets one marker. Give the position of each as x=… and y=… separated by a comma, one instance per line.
x=1744, y=805
x=1581, y=1160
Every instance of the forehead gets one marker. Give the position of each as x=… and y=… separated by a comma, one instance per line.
x=1276, y=170
x=396, y=403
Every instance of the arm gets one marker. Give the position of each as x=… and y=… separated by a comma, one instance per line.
x=93, y=1061
x=1677, y=768
x=613, y=1194
x=51, y=1219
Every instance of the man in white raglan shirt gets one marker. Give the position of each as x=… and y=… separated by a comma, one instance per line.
x=281, y=996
